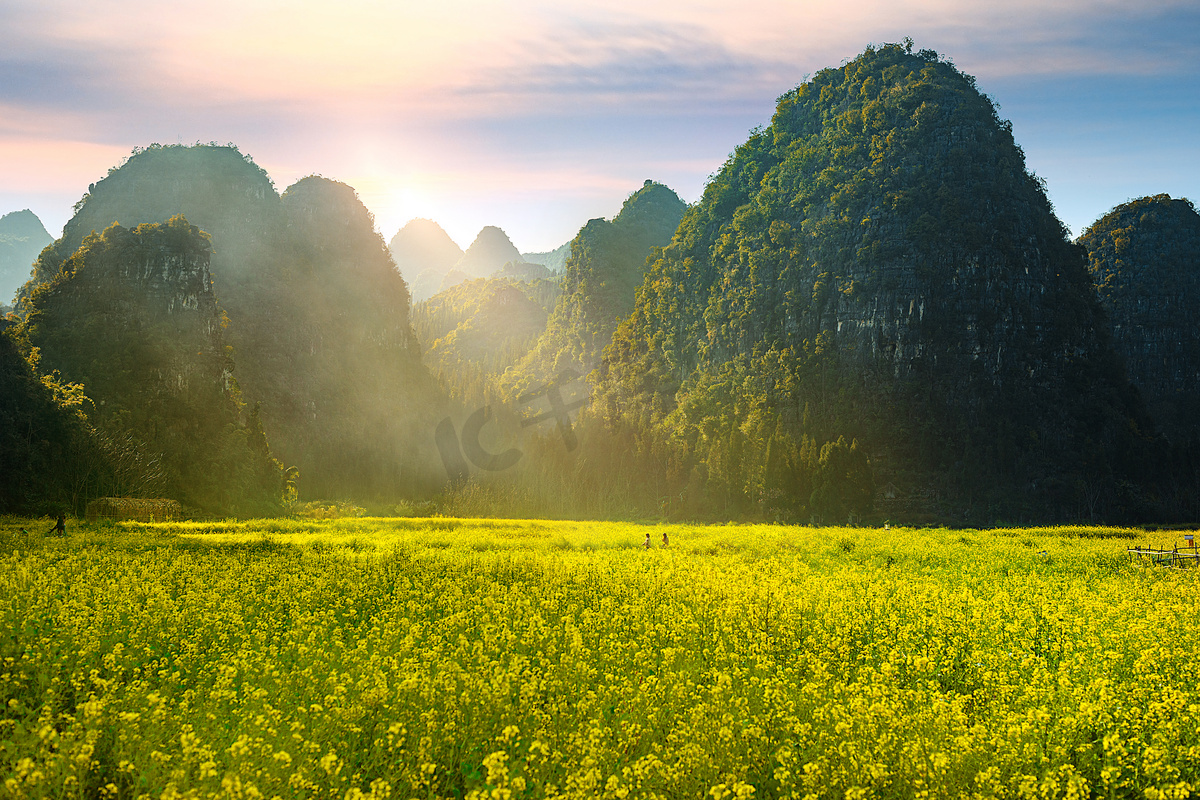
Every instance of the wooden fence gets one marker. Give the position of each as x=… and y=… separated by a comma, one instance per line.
x=1177, y=556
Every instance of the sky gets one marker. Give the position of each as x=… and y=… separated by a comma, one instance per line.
x=537, y=115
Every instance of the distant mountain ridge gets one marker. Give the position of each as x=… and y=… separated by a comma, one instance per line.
x=22, y=237
x=555, y=260
x=423, y=246
x=431, y=262
x=490, y=251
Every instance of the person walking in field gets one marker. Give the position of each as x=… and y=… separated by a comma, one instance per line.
x=646, y=544
x=60, y=527
x=664, y=538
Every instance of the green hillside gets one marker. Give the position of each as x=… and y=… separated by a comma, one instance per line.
x=1144, y=257
x=474, y=331
x=318, y=315
x=604, y=269
x=132, y=319
x=878, y=266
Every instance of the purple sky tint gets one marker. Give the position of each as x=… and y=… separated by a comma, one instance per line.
x=536, y=115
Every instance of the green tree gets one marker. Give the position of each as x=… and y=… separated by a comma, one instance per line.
x=843, y=482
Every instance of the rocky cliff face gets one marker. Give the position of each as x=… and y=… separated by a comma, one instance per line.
x=131, y=316
x=879, y=264
x=131, y=280
x=317, y=313
x=1144, y=257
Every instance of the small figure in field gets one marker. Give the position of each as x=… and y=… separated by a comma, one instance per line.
x=664, y=538
x=646, y=544
x=60, y=527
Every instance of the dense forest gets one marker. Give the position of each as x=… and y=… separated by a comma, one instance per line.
x=872, y=300
x=317, y=315
x=51, y=460
x=130, y=330
x=872, y=312
x=474, y=331
x=1144, y=257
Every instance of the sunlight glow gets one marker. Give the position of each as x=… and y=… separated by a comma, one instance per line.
x=438, y=92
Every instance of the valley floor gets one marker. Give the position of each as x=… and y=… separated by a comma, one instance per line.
x=506, y=659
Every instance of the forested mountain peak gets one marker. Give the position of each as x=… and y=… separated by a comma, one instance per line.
x=22, y=237
x=652, y=208
x=490, y=251
x=317, y=313
x=602, y=272
x=23, y=224
x=1144, y=257
x=335, y=238
x=218, y=188
x=878, y=264
x=327, y=210
x=422, y=245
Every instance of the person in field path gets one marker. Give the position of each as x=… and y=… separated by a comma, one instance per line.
x=646, y=544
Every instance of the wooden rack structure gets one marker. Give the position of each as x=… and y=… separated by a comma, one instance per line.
x=1175, y=557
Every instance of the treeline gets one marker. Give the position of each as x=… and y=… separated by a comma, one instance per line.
x=871, y=310
x=120, y=383
x=310, y=349
x=871, y=313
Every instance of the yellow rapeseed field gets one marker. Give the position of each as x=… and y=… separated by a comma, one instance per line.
x=512, y=659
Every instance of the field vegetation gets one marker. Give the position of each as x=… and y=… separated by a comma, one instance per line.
x=507, y=659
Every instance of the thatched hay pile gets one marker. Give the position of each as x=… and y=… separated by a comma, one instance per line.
x=136, y=508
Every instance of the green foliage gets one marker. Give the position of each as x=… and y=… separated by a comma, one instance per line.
x=131, y=319
x=879, y=264
x=217, y=187
x=602, y=273
x=316, y=312
x=46, y=445
x=476, y=330
x=1144, y=257
x=844, y=485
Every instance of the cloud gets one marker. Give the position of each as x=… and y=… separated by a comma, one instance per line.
x=383, y=61
x=646, y=66
x=470, y=96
